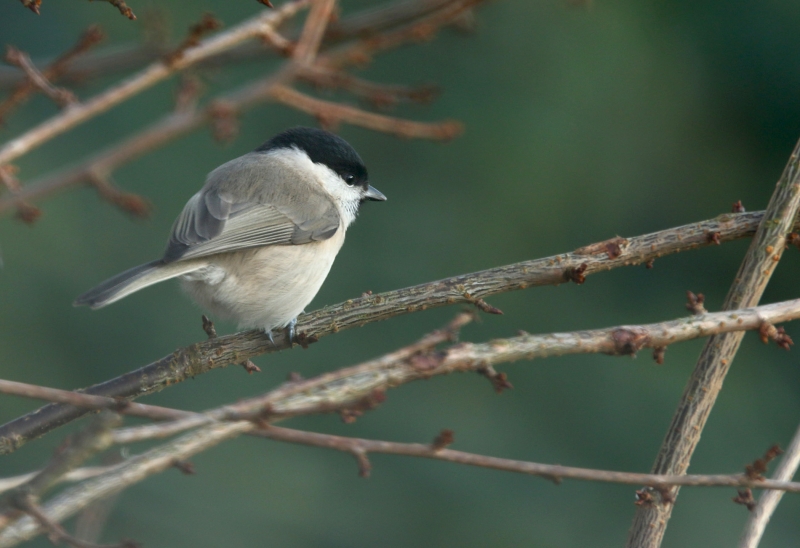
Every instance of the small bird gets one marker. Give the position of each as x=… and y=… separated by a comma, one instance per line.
x=256, y=243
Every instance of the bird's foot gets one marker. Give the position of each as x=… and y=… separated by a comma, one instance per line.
x=268, y=333
x=290, y=332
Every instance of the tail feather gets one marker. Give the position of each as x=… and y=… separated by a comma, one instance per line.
x=133, y=280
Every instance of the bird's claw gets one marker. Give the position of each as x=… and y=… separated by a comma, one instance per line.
x=290, y=331
x=268, y=333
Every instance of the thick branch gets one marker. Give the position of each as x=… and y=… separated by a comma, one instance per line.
x=146, y=78
x=701, y=392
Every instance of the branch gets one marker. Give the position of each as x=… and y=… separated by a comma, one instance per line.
x=340, y=389
x=60, y=97
x=91, y=440
x=222, y=351
x=177, y=124
x=131, y=471
x=86, y=401
x=330, y=114
x=123, y=8
x=377, y=94
x=79, y=474
x=54, y=71
x=705, y=383
x=553, y=472
x=146, y=78
x=760, y=515
x=26, y=212
x=311, y=38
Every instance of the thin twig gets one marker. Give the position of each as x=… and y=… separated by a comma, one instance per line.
x=705, y=383
x=26, y=212
x=330, y=114
x=760, y=515
x=61, y=97
x=91, y=440
x=220, y=352
x=54, y=71
x=318, y=18
x=86, y=401
x=73, y=476
x=552, y=472
x=56, y=533
x=377, y=94
x=133, y=470
x=123, y=8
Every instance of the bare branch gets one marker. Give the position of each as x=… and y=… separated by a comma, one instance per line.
x=56, y=533
x=79, y=474
x=381, y=95
x=220, y=113
x=208, y=23
x=55, y=70
x=552, y=472
x=365, y=23
x=123, y=8
x=331, y=114
x=32, y=5
x=94, y=438
x=706, y=381
x=133, y=470
x=762, y=512
x=313, y=31
x=145, y=79
x=61, y=97
x=26, y=212
x=86, y=401
x=222, y=351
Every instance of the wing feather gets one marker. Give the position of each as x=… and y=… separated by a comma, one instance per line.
x=214, y=222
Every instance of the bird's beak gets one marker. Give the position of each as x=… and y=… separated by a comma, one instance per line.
x=374, y=194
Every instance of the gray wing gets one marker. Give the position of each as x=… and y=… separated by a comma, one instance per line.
x=251, y=202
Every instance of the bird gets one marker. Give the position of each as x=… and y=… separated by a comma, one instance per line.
x=255, y=244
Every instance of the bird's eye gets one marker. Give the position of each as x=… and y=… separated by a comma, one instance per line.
x=349, y=178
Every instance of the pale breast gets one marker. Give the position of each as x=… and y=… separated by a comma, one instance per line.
x=265, y=287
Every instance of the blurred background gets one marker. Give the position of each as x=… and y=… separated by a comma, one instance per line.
x=582, y=122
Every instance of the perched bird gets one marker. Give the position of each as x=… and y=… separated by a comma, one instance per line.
x=256, y=243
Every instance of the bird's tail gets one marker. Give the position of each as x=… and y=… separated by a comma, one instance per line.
x=133, y=280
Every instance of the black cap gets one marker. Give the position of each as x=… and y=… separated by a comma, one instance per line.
x=323, y=147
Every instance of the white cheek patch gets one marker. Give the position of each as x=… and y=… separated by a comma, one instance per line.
x=347, y=198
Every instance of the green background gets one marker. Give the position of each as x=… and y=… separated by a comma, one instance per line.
x=582, y=124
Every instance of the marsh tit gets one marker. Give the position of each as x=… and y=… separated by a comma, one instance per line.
x=256, y=243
